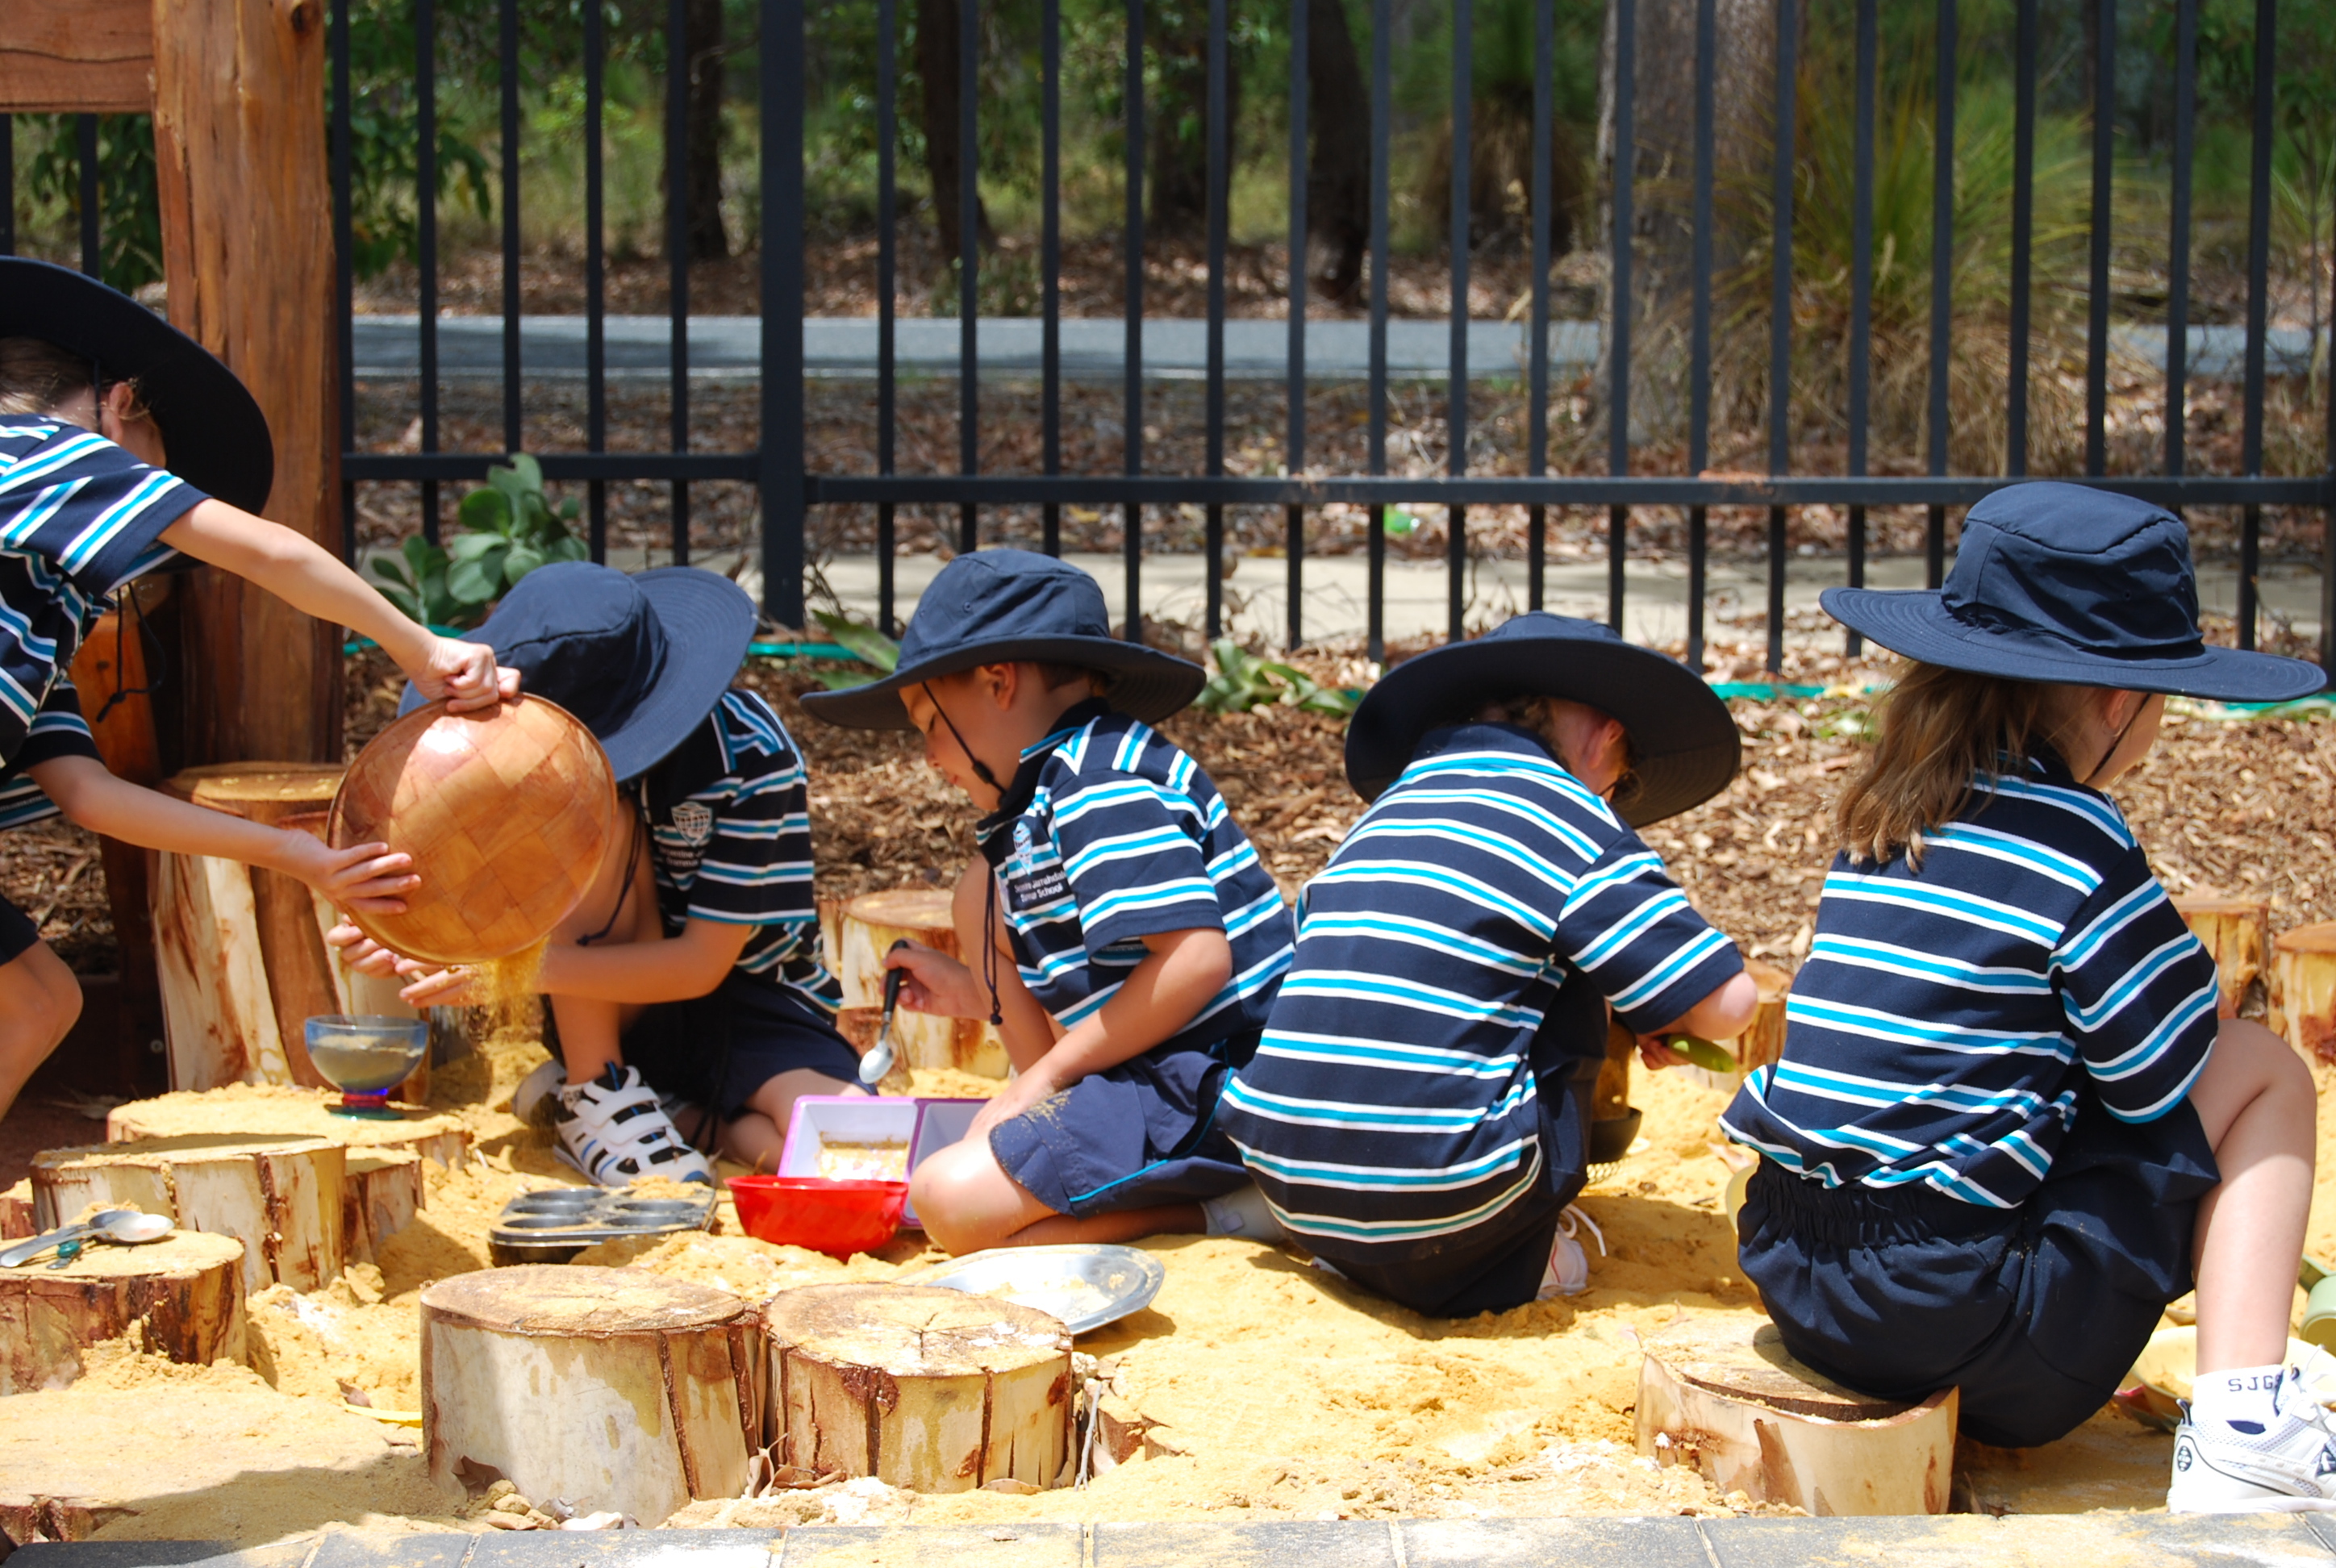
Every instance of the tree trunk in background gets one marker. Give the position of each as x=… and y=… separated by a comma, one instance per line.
x=1339, y=175
x=702, y=36
x=937, y=68
x=1177, y=121
x=1662, y=281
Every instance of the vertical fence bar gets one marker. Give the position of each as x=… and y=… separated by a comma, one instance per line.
x=425, y=239
x=2328, y=518
x=1218, y=132
x=2178, y=239
x=1050, y=262
x=2097, y=305
x=968, y=266
x=596, y=277
x=887, y=199
x=344, y=274
x=1861, y=286
x=782, y=95
x=1943, y=244
x=92, y=258
x=679, y=68
x=1132, y=383
x=8, y=181
x=507, y=71
x=1456, y=417
x=1382, y=77
x=1293, y=518
x=1537, y=317
x=2267, y=85
x=1619, y=312
x=1699, y=395
x=2023, y=230
x=1780, y=311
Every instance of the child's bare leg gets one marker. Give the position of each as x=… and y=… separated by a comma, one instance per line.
x=967, y=1203
x=590, y=1030
x=39, y=1000
x=2256, y=1101
x=755, y=1138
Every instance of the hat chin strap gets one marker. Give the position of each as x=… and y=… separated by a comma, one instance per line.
x=2116, y=744
x=981, y=768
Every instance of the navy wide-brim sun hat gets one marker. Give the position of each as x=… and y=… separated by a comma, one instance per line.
x=641, y=659
x=1681, y=734
x=2062, y=583
x=1003, y=607
x=217, y=436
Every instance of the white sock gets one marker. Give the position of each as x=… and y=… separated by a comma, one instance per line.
x=2245, y=1397
x=1243, y=1212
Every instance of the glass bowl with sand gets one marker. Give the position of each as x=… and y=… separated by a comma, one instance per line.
x=366, y=1055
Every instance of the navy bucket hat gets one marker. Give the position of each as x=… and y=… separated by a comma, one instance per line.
x=1003, y=606
x=2061, y=582
x=640, y=659
x=218, y=438
x=1682, y=735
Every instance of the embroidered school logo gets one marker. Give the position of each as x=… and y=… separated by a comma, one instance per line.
x=693, y=820
x=1034, y=876
x=1025, y=858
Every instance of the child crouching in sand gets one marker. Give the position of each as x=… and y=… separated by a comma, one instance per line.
x=1127, y=938
x=2006, y=1128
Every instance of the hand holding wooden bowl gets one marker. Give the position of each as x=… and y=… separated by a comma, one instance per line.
x=507, y=814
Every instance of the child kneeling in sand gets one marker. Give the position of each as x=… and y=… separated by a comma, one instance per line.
x=2006, y=1128
x=1418, y=1111
x=1140, y=937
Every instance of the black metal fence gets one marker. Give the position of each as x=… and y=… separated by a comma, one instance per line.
x=777, y=466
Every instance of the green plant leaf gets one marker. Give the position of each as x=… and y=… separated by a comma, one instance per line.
x=569, y=509
x=474, y=546
x=865, y=642
x=523, y=559
x=570, y=548
x=485, y=512
x=476, y=581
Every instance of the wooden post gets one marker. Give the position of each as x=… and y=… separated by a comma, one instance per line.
x=2304, y=991
x=91, y=57
x=2236, y=933
x=247, y=203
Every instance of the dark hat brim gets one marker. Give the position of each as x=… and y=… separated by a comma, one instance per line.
x=708, y=621
x=1682, y=734
x=218, y=438
x=1915, y=623
x=1145, y=683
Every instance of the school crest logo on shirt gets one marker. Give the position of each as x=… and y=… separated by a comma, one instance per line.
x=693, y=820
x=1034, y=874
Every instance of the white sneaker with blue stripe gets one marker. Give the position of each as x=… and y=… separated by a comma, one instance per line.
x=2283, y=1466
x=615, y=1132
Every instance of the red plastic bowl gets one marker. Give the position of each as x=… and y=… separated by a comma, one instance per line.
x=838, y=1218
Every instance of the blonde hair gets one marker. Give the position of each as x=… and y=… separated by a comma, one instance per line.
x=36, y=376
x=1941, y=730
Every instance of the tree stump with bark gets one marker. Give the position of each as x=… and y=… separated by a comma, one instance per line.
x=1763, y=1039
x=280, y=1197
x=2303, y=989
x=180, y=1296
x=1724, y=1397
x=16, y=1212
x=866, y=930
x=2236, y=933
x=241, y=951
x=925, y=1388
x=615, y=1388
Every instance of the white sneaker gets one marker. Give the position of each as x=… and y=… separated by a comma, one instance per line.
x=536, y=1100
x=614, y=1131
x=1244, y=1213
x=2286, y=1467
x=1568, y=1273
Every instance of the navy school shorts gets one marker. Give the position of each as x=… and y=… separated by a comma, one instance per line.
x=1132, y=1136
x=18, y=934
x=716, y=1050
x=2036, y=1313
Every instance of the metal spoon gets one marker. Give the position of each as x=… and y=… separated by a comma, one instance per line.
x=124, y=1228
x=879, y=1059
x=26, y=1251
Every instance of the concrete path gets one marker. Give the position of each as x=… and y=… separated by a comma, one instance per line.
x=640, y=346
x=1956, y=1541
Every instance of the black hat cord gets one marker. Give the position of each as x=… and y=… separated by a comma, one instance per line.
x=989, y=888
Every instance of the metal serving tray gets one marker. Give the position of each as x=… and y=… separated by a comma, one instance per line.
x=1085, y=1285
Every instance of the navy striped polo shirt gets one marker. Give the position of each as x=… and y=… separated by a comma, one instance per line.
x=1110, y=834
x=1393, y=1100
x=58, y=730
x=730, y=835
x=1947, y=1017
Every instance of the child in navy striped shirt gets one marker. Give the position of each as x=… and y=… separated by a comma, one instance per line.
x=1123, y=934
x=1418, y=1111
x=2007, y=1128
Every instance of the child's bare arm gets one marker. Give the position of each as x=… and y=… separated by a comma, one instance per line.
x=364, y=876
x=1722, y=1015
x=309, y=580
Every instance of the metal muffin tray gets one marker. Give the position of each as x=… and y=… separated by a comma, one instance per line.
x=554, y=1226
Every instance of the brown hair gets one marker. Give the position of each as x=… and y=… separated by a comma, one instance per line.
x=1941, y=729
x=1531, y=711
x=36, y=376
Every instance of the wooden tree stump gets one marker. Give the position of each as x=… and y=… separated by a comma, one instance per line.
x=381, y=1194
x=1722, y=1395
x=615, y=1388
x=860, y=1026
x=277, y=1112
x=181, y=1297
x=241, y=951
x=280, y=1197
x=925, y=1388
x=866, y=930
x=1763, y=1039
x=2236, y=932
x=16, y=1212
x=2303, y=989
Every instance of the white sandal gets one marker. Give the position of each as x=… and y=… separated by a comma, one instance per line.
x=614, y=1131
x=1568, y=1273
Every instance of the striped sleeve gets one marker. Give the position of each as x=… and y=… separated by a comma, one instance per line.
x=1629, y=928
x=58, y=731
x=1133, y=863
x=98, y=512
x=757, y=871
x=2138, y=992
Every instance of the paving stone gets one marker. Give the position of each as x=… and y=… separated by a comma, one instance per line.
x=1325, y=1544
x=1002, y=1545
x=1553, y=1544
x=624, y=1549
x=138, y=1554
x=380, y=1549
x=2031, y=1541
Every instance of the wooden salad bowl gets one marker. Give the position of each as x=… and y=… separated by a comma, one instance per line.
x=507, y=814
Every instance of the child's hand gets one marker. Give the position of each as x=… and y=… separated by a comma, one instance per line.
x=454, y=986
x=937, y=984
x=1017, y=1097
x=425, y=987
x=360, y=954
x=465, y=675
x=366, y=877
x=1656, y=1051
